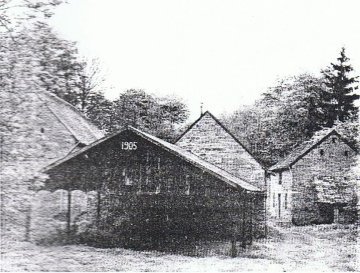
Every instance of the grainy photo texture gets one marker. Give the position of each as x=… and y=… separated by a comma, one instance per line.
x=179, y=135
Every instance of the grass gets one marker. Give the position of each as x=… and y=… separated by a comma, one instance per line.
x=311, y=248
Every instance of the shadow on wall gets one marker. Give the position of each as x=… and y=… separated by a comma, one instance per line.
x=49, y=213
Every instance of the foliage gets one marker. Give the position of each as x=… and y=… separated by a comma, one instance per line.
x=338, y=96
x=155, y=115
x=286, y=115
x=16, y=13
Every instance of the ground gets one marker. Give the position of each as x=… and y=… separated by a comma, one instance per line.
x=311, y=248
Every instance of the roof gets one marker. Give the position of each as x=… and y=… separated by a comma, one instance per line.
x=225, y=129
x=329, y=190
x=175, y=150
x=73, y=120
x=304, y=148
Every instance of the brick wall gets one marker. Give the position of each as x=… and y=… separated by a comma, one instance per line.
x=208, y=140
x=333, y=163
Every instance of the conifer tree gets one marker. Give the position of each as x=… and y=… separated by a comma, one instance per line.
x=338, y=96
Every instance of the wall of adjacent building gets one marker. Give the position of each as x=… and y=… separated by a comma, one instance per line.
x=208, y=140
x=284, y=188
x=34, y=138
x=332, y=163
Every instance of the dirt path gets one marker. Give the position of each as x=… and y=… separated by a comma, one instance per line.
x=300, y=248
x=315, y=248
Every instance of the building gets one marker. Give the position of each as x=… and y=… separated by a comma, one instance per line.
x=206, y=184
x=209, y=139
x=312, y=184
x=36, y=129
x=44, y=128
x=160, y=189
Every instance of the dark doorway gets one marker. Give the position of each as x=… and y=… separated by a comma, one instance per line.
x=326, y=212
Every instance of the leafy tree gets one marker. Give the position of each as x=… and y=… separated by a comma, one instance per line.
x=15, y=13
x=89, y=84
x=286, y=115
x=339, y=96
x=155, y=115
x=100, y=111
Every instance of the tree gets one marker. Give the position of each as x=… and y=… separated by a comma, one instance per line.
x=100, y=111
x=155, y=115
x=14, y=13
x=286, y=115
x=89, y=85
x=339, y=96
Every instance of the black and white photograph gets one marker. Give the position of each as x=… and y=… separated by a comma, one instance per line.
x=179, y=136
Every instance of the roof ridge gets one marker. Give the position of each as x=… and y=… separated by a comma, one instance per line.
x=56, y=116
x=86, y=133
x=72, y=107
x=316, y=139
x=197, y=161
x=199, y=158
x=226, y=130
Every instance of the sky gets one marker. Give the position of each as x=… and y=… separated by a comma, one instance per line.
x=223, y=54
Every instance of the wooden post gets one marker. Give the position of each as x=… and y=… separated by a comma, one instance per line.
x=98, y=208
x=233, y=244
x=243, y=239
x=68, y=228
x=235, y=221
x=265, y=213
x=28, y=224
x=251, y=208
x=266, y=205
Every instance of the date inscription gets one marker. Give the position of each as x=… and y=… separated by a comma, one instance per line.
x=128, y=146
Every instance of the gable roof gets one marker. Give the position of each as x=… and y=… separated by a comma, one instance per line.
x=173, y=149
x=304, y=148
x=225, y=129
x=71, y=118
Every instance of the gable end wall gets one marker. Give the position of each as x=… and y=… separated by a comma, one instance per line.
x=333, y=163
x=208, y=140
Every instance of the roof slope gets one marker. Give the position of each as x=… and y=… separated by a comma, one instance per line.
x=177, y=151
x=72, y=119
x=302, y=149
x=225, y=129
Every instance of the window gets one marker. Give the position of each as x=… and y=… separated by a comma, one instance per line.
x=42, y=130
x=286, y=201
x=63, y=200
x=334, y=140
x=128, y=181
x=187, y=183
x=345, y=178
x=158, y=188
x=346, y=153
x=280, y=178
x=322, y=152
x=147, y=169
x=207, y=191
x=274, y=201
x=158, y=163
